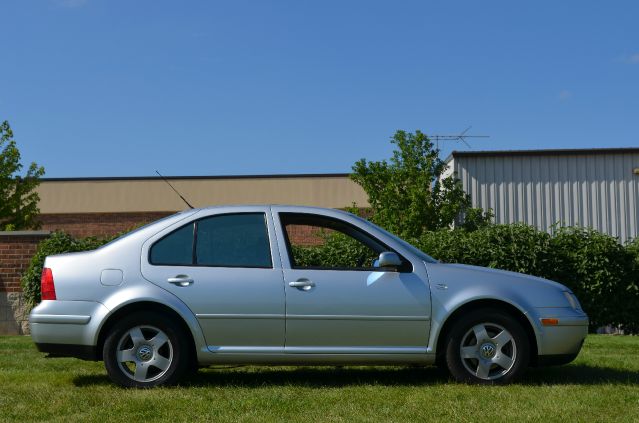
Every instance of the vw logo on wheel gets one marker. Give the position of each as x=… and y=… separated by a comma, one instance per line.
x=487, y=350
x=145, y=353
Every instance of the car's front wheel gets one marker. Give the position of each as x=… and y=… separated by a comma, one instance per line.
x=487, y=347
x=144, y=350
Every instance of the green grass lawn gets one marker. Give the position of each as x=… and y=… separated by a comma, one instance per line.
x=601, y=385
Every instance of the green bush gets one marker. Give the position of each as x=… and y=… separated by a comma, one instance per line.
x=57, y=243
x=336, y=250
x=517, y=247
x=600, y=271
x=633, y=247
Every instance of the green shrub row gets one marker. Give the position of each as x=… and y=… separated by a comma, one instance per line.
x=601, y=272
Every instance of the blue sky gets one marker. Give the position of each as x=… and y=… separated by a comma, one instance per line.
x=121, y=88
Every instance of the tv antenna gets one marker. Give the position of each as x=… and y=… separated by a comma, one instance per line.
x=460, y=137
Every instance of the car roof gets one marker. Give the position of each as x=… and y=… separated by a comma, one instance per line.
x=288, y=207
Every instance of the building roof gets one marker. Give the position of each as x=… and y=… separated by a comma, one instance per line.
x=545, y=152
x=201, y=177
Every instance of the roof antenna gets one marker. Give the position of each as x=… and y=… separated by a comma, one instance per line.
x=176, y=191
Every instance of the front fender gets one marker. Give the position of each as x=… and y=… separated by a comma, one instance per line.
x=453, y=288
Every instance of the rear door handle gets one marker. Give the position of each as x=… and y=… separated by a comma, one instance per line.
x=181, y=280
x=303, y=284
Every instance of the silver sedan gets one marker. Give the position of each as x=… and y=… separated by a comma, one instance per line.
x=294, y=285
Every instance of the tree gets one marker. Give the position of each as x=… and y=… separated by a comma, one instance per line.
x=18, y=199
x=408, y=195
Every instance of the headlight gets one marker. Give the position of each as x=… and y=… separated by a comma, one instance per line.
x=572, y=299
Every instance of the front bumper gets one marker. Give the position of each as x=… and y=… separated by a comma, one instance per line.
x=561, y=342
x=67, y=328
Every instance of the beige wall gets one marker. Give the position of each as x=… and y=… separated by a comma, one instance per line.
x=143, y=195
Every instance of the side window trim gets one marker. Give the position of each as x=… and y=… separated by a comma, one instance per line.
x=194, y=263
x=194, y=245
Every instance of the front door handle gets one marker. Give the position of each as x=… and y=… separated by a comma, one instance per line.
x=181, y=280
x=303, y=284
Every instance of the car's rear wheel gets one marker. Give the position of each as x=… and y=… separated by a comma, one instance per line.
x=145, y=350
x=487, y=347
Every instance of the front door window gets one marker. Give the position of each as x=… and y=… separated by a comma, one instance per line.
x=317, y=242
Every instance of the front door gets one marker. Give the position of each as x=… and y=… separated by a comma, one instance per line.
x=338, y=301
x=221, y=266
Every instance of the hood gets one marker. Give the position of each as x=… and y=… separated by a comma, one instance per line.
x=482, y=282
x=513, y=277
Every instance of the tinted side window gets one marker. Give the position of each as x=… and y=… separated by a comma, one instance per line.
x=174, y=249
x=234, y=240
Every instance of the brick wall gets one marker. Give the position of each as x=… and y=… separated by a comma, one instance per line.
x=97, y=224
x=16, y=250
x=307, y=236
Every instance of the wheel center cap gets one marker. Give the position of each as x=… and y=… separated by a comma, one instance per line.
x=145, y=353
x=487, y=350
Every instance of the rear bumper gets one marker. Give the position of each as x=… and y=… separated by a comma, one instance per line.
x=64, y=328
x=84, y=352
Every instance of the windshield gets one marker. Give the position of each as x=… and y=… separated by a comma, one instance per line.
x=419, y=253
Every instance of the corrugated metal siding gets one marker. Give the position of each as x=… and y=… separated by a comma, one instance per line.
x=590, y=190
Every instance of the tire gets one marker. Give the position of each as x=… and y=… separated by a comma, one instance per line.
x=144, y=350
x=487, y=347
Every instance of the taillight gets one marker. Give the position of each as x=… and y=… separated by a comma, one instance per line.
x=47, y=288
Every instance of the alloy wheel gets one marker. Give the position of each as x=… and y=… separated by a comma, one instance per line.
x=488, y=351
x=144, y=353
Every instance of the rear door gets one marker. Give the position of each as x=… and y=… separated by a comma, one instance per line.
x=224, y=266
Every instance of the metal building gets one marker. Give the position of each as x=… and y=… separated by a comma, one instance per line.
x=596, y=188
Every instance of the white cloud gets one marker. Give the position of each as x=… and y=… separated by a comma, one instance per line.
x=564, y=95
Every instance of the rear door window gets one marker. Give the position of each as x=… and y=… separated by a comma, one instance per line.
x=234, y=240
x=229, y=240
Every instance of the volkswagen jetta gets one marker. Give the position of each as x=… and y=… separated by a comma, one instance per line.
x=294, y=285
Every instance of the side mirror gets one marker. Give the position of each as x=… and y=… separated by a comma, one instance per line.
x=389, y=259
